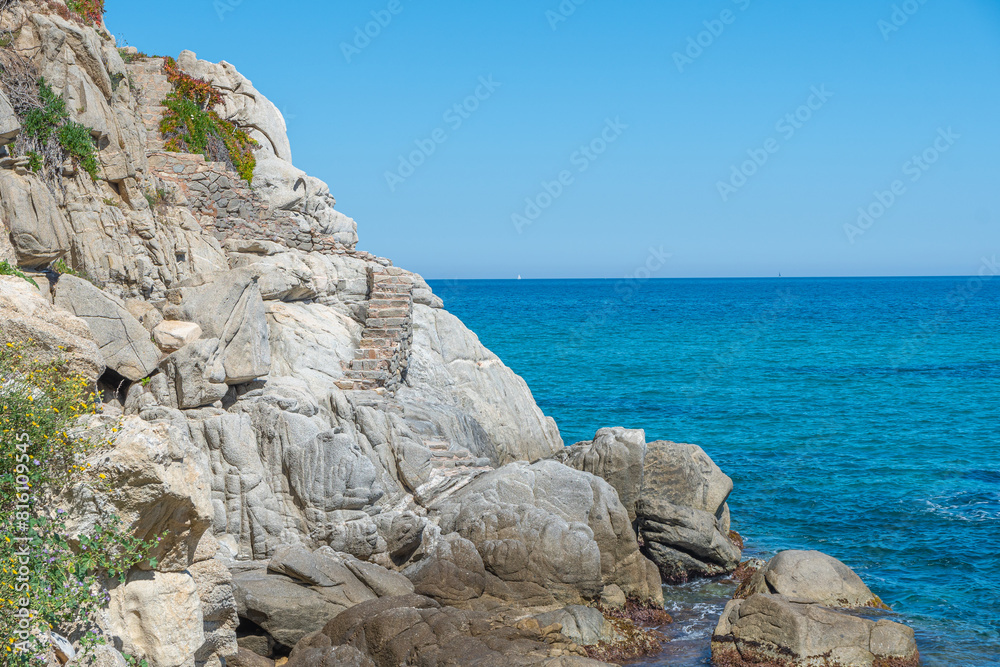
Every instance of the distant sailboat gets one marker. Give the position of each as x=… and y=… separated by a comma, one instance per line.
x=519, y=276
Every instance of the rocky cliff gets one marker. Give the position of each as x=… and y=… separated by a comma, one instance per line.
x=308, y=431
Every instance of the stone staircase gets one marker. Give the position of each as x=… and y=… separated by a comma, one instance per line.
x=383, y=355
x=148, y=75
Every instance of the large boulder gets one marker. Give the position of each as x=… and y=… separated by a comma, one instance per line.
x=451, y=571
x=617, y=456
x=10, y=127
x=300, y=590
x=552, y=527
x=773, y=630
x=682, y=514
x=158, y=616
x=457, y=391
x=228, y=306
x=123, y=341
x=584, y=625
x=193, y=376
x=25, y=315
x=37, y=226
x=155, y=480
x=415, y=630
x=811, y=576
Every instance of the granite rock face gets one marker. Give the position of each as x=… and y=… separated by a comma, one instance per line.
x=122, y=340
x=25, y=315
x=674, y=493
x=682, y=513
x=551, y=527
x=616, y=455
x=416, y=630
x=298, y=590
x=811, y=576
x=772, y=629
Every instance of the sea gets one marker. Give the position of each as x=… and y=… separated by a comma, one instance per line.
x=856, y=416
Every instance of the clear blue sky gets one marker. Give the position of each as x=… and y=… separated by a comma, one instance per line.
x=657, y=185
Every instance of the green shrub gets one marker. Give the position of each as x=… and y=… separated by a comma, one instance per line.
x=7, y=270
x=42, y=451
x=78, y=142
x=91, y=11
x=190, y=126
x=50, y=121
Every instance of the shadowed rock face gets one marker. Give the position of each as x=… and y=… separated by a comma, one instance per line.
x=417, y=631
x=682, y=513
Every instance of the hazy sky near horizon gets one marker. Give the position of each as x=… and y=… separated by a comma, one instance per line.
x=589, y=138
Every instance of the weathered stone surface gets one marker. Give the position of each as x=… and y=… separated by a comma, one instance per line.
x=218, y=608
x=771, y=629
x=194, y=375
x=451, y=571
x=228, y=306
x=584, y=625
x=122, y=340
x=38, y=228
x=331, y=473
x=10, y=127
x=300, y=590
x=558, y=528
x=26, y=316
x=682, y=513
x=417, y=631
x=158, y=617
x=458, y=391
x=154, y=481
x=246, y=658
x=617, y=456
x=171, y=335
x=811, y=576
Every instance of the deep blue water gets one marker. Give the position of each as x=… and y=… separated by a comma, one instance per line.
x=860, y=417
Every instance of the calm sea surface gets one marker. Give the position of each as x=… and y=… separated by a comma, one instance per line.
x=860, y=417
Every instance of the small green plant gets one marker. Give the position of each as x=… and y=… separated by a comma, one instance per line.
x=7, y=270
x=50, y=121
x=79, y=143
x=135, y=662
x=35, y=161
x=61, y=267
x=145, y=381
x=112, y=202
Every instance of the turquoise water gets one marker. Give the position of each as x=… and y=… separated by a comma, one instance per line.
x=860, y=417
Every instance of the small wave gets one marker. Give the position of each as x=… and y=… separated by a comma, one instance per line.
x=966, y=506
